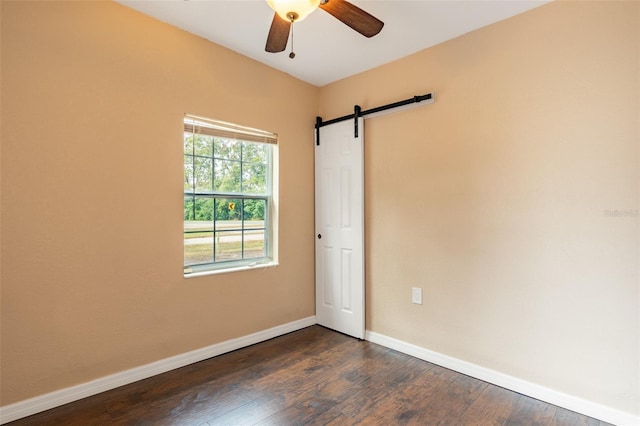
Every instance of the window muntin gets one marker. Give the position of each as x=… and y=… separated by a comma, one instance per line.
x=227, y=195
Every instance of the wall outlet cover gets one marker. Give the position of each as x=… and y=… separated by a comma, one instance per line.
x=416, y=295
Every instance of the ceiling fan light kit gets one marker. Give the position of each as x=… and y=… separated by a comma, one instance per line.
x=290, y=11
x=293, y=10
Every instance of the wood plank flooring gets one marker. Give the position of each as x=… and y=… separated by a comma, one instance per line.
x=310, y=377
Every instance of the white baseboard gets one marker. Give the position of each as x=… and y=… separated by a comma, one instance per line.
x=40, y=403
x=54, y=399
x=573, y=403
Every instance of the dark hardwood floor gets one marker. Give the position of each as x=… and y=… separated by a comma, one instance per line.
x=312, y=376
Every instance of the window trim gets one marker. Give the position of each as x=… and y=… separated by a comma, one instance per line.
x=238, y=268
x=199, y=125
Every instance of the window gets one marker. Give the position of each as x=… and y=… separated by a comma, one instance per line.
x=228, y=195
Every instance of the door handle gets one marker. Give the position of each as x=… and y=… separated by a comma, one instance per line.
x=319, y=236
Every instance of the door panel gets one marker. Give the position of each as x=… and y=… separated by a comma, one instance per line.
x=340, y=229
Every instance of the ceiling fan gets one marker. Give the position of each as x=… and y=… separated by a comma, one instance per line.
x=290, y=11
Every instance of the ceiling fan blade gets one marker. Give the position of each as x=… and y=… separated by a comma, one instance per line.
x=278, y=35
x=351, y=15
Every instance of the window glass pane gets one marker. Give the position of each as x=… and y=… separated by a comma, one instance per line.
x=254, y=244
x=228, y=229
x=228, y=213
x=227, y=149
x=254, y=211
x=227, y=176
x=198, y=230
x=199, y=209
x=228, y=245
x=188, y=209
x=254, y=153
x=202, y=173
x=198, y=248
x=254, y=178
x=203, y=145
x=188, y=143
x=188, y=173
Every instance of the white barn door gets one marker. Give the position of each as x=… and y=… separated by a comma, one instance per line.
x=339, y=192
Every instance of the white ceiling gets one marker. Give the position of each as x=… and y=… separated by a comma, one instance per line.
x=326, y=49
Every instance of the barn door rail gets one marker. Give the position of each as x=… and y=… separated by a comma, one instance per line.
x=373, y=112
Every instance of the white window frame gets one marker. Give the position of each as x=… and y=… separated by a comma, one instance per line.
x=231, y=132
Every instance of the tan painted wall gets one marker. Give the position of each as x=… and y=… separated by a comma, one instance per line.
x=93, y=95
x=499, y=199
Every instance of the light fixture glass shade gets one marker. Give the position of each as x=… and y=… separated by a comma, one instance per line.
x=302, y=8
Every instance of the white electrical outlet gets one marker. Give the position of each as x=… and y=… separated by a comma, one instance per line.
x=416, y=295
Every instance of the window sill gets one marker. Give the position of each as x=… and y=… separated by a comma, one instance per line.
x=229, y=270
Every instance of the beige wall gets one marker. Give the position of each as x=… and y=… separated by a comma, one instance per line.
x=499, y=199
x=93, y=95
